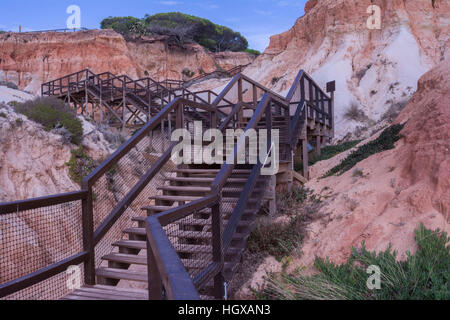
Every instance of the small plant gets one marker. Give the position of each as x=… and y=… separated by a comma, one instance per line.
x=361, y=73
x=358, y=173
x=19, y=122
x=80, y=165
x=53, y=114
x=355, y=113
x=13, y=103
x=280, y=239
x=188, y=73
x=386, y=141
x=275, y=80
x=277, y=239
x=2, y=115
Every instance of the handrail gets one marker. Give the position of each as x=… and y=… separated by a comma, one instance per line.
x=165, y=267
x=28, y=280
x=23, y=205
x=240, y=206
x=227, y=168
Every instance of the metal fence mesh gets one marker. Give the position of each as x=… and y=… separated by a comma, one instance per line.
x=113, y=186
x=34, y=239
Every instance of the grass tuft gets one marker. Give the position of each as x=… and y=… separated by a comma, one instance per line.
x=424, y=275
x=280, y=239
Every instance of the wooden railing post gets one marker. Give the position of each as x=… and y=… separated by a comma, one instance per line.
x=331, y=88
x=88, y=235
x=155, y=287
x=218, y=254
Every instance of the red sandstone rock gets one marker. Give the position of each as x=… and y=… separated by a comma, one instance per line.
x=29, y=59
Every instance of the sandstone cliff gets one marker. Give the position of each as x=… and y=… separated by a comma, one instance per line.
x=28, y=59
x=399, y=189
x=393, y=192
x=33, y=161
x=374, y=68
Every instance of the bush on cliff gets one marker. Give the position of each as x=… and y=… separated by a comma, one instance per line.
x=181, y=28
x=53, y=114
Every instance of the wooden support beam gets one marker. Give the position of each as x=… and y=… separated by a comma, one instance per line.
x=299, y=177
x=305, y=158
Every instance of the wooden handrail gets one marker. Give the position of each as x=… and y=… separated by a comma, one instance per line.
x=165, y=267
x=28, y=280
x=47, y=201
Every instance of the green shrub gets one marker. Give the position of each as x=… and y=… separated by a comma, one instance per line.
x=181, y=28
x=2, y=115
x=276, y=239
x=424, y=275
x=188, y=73
x=80, y=165
x=385, y=141
x=328, y=152
x=253, y=51
x=53, y=114
x=280, y=239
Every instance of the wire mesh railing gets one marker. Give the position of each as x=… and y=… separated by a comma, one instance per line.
x=42, y=238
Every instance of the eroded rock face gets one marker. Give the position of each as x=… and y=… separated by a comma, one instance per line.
x=399, y=189
x=374, y=68
x=33, y=161
x=30, y=59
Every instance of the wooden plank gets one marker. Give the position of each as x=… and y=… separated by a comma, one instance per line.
x=120, y=274
x=299, y=177
x=126, y=258
x=180, y=179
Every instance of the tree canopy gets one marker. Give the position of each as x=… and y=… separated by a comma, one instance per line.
x=181, y=28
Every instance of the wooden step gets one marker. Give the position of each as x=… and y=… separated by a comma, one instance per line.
x=180, y=233
x=191, y=198
x=204, y=180
x=206, y=171
x=185, y=248
x=121, y=274
x=99, y=292
x=196, y=222
x=198, y=189
x=125, y=258
x=131, y=244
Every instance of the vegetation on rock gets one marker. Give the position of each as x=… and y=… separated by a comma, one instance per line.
x=385, y=141
x=80, y=165
x=281, y=239
x=53, y=114
x=424, y=275
x=181, y=28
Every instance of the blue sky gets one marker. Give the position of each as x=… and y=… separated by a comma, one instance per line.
x=257, y=20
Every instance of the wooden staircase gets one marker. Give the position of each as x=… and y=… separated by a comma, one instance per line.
x=198, y=202
x=187, y=184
